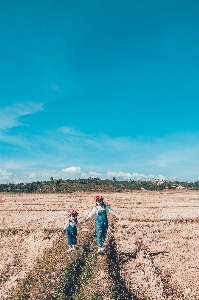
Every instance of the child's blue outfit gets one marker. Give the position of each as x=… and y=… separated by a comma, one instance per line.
x=71, y=231
x=101, y=222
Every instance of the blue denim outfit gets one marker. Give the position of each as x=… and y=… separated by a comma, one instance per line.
x=71, y=231
x=71, y=235
x=101, y=226
x=101, y=222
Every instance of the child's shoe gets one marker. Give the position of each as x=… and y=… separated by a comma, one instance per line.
x=99, y=251
x=102, y=248
x=73, y=247
x=70, y=249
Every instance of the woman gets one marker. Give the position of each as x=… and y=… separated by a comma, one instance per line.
x=101, y=220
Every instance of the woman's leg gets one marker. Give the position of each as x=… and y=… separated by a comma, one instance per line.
x=99, y=232
x=104, y=231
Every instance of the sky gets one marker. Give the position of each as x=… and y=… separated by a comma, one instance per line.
x=99, y=89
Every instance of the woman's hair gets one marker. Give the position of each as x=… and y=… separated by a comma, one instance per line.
x=98, y=199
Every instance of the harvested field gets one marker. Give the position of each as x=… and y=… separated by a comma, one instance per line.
x=151, y=253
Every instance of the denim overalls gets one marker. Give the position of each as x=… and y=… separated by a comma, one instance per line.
x=72, y=235
x=101, y=226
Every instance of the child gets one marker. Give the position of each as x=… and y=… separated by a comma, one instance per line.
x=71, y=230
x=101, y=220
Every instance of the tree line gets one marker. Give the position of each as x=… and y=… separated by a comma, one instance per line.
x=95, y=185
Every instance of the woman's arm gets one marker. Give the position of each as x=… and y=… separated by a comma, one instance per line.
x=111, y=211
x=93, y=211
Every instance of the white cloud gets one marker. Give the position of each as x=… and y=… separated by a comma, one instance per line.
x=4, y=175
x=72, y=170
x=94, y=174
x=133, y=176
x=69, y=173
x=9, y=115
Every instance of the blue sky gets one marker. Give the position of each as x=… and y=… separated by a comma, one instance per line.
x=100, y=89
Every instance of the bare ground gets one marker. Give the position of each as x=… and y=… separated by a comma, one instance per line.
x=155, y=244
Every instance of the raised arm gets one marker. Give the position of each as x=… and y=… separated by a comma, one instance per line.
x=111, y=211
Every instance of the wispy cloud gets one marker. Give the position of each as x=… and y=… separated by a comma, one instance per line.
x=171, y=156
x=9, y=115
x=55, y=88
x=71, y=131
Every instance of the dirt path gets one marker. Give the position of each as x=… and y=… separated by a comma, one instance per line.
x=83, y=274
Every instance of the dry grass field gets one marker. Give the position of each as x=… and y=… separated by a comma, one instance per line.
x=155, y=244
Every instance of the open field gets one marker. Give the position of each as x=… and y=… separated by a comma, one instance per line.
x=152, y=252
